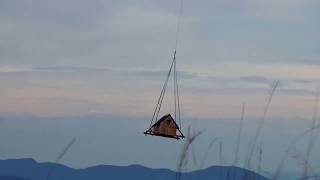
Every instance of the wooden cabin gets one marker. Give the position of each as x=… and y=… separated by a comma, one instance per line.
x=166, y=127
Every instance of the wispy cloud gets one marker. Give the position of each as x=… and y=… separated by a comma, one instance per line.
x=123, y=71
x=159, y=73
x=256, y=79
x=12, y=69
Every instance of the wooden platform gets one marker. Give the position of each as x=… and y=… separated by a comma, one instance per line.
x=164, y=135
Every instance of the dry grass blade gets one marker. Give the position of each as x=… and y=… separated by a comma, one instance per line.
x=183, y=160
x=290, y=148
x=207, y=152
x=194, y=156
x=312, y=135
x=260, y=153
x=220, y=153
x=301, y=161
x=261, y=122
x=60, y=156
x=236, y=159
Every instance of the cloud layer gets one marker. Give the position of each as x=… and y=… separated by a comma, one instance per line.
x=142, y=33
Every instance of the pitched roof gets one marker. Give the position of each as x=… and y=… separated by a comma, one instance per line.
x=164, y=118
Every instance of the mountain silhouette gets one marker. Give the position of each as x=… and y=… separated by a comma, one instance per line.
x=11, y=178
x=32, y=170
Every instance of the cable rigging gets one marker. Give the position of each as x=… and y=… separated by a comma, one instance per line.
x=169, y=128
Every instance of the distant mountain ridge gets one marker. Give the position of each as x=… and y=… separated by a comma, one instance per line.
x=32, y=170
x=11, y=178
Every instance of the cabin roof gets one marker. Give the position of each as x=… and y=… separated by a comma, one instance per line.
x=164, y=118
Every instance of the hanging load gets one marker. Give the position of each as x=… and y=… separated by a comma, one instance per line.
x=167, y=126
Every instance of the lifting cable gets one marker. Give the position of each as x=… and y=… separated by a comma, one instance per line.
x=173, y=67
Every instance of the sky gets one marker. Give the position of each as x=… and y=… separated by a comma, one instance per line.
x=101, y=64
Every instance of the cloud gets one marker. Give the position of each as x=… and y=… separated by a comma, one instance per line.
x=85, y=70
x=269, y=80
x=11, y=69
x=248, y=90
x=194, y=77
x=109, y=33
x=59, y=91
x=120, y=71
x=256, y=79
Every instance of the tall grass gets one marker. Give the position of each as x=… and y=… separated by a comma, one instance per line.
x=291, y=146
x=213, y=141
x=311, y=137
x=221, y=161
x=236, y=158
x=310, y=145
x=60, y=156
x=260, y=153
x=261, y=123
x=258, y=150
x=183, y=160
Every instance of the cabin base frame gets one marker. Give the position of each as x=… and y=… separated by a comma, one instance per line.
x=165, y=135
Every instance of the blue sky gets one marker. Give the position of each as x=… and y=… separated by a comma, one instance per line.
x=107, y=59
